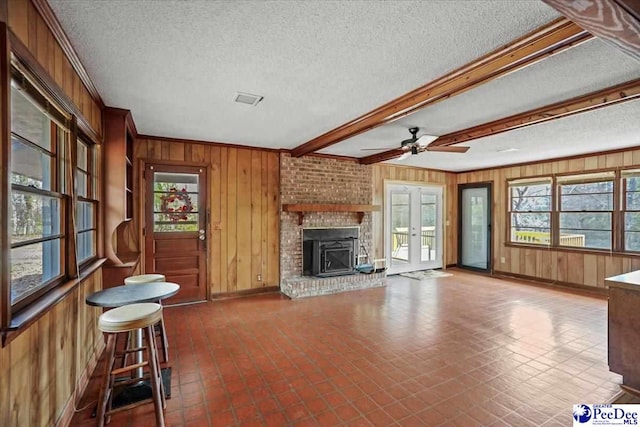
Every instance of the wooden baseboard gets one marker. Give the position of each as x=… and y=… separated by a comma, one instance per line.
x=537, y=281
x=247, y=292
x=451, y=265
x=69, y=409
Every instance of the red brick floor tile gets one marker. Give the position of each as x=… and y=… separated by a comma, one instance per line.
x=397, y=410
x=296, y=412
x=380, y=418
x=246, y=413
x=328, y=418
x=335, y=399
x=346, y=412
x=195, y=422
x=316, y=405
x=359, y=422
x=432, y=417
x=225, y=418
x=382, y=398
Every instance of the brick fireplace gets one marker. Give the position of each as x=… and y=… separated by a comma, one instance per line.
x=320, y=180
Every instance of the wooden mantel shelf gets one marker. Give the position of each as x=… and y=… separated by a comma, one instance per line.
x=302, y=209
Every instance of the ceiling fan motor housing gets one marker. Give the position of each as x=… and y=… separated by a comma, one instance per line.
x=413, y=139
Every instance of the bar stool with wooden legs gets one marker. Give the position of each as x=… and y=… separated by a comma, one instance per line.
x=148, y=278
x=126, y=319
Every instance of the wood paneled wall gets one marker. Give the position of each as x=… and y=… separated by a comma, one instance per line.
x=27, y=24
x=244, y=186
x=390, y=173
x=48, y=362
x=563, y=267
x=40, y=368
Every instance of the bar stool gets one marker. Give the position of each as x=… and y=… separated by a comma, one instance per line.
x=147, y=278
x=125, y=319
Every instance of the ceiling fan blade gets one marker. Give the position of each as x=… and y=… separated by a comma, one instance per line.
x=448, y=149
x=425, y=140
x=405, y=155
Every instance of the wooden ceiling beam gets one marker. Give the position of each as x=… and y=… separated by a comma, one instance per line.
x=602, y=98
x=552, y=38
x=614, y=21
x=381, y=157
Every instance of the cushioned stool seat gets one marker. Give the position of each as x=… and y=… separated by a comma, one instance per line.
x=130, y=317
x=162, y=333
x=126, y=319
x=144, y=278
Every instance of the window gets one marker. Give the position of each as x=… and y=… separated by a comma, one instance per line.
x=585, y=208
x=86, y=207
x=530, y=211
x=631, y=209
x=37, y=203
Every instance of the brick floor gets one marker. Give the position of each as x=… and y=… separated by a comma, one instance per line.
x=462, y=350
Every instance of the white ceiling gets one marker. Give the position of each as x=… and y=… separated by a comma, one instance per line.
x=177, y=65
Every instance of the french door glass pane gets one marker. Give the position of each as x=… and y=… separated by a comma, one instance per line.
x=428, y=227
x=400, y=218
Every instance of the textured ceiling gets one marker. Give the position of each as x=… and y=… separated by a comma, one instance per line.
x=178, y=64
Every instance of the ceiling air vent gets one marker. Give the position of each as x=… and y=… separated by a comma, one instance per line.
x=247, y=98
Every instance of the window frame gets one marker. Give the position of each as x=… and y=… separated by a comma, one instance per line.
x=63, y=118
x=58, y=135
x=619, y=209
x=624, y=174
x=519, y=182
x=92, y=197
x=587, y=178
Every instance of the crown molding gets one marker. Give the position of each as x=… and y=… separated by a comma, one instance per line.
x=49, y=17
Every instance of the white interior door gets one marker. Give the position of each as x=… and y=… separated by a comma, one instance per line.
x=413, y=227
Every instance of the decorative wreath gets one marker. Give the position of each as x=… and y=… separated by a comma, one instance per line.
x=176, y=204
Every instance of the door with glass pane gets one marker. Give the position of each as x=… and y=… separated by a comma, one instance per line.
x=176, y=232
x=474, y=226
x=413, y=228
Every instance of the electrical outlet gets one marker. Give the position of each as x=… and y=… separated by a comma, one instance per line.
x=503, y=260
x=259, y=277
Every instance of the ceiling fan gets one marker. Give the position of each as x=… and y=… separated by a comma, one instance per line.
x=415, y=145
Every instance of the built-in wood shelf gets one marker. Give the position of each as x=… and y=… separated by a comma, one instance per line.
x=302, y=209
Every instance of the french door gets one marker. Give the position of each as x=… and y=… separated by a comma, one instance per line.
x=176, y=231
x=474, y=227
x=413, y=227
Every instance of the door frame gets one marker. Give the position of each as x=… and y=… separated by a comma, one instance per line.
x=142, y=214
x=440, y=221
x=489, y=186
